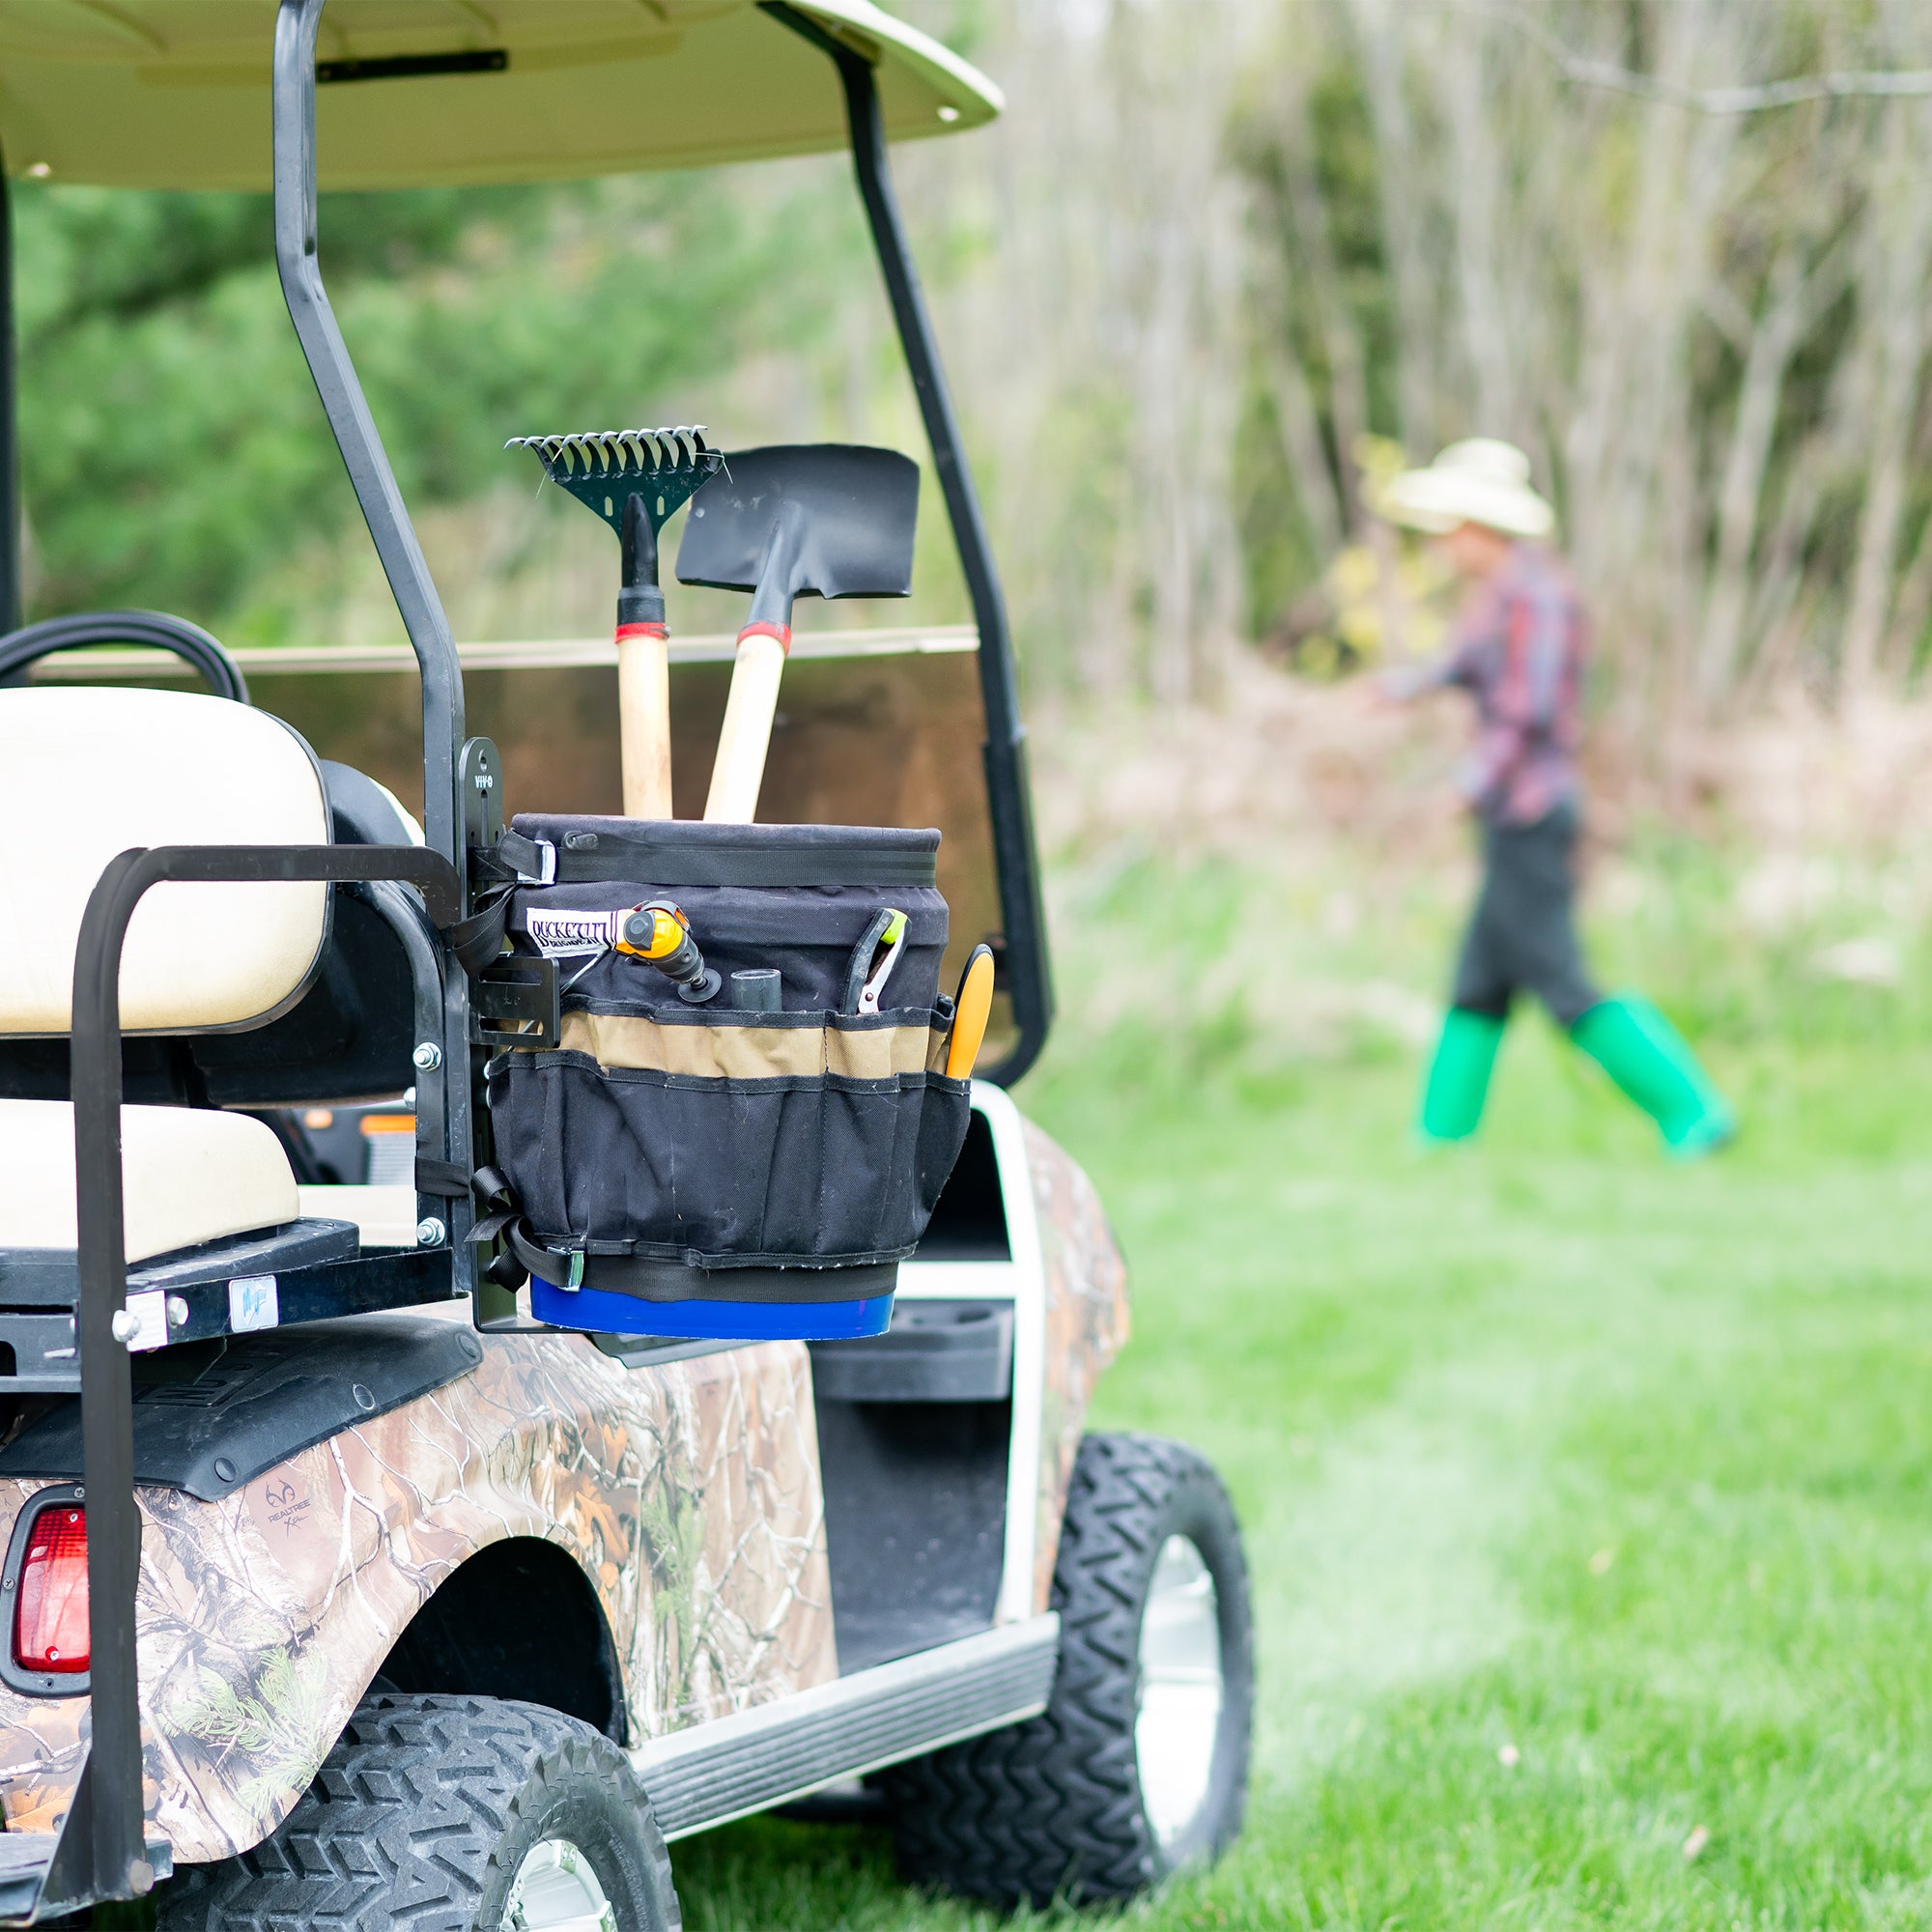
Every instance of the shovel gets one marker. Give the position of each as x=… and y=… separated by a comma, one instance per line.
x=635, y=479
x=825, y=519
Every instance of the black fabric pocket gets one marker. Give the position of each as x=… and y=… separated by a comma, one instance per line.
x=794, y=1169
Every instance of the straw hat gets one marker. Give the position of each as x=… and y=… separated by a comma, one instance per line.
x=1480, y=481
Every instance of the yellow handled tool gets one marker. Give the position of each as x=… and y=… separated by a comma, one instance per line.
x=971, y=1011
x=659, y=933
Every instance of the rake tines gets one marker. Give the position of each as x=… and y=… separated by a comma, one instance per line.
x=603, y=468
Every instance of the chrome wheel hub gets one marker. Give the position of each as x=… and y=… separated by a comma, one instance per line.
x=1182, y=1691
x=556, y=1890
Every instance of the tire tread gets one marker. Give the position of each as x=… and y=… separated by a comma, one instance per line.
x=1051, y=1808
x=402, y=1823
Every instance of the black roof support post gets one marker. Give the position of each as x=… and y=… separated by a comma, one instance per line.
x=454, y=814
x=355, y=428
x=1026, y=970
x=10, y=424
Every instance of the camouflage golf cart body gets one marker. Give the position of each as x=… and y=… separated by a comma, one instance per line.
x=356, y=1541
x=686, y=1494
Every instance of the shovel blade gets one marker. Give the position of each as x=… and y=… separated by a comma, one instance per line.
x=843, y=515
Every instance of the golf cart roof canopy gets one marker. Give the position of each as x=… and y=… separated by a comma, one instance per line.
x=175, y=94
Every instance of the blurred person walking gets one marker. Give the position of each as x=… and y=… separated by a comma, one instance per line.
x=1519, y=649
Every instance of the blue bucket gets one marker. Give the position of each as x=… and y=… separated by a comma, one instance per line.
x=600, y=1312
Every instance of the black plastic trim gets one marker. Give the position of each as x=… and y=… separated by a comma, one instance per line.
x=649, y=1279
x=1026, y=974
x=210, y=1419
x=644, y=1351
x=19, y=648
x=617, y=860
x=412, y=66
x=933, y=1352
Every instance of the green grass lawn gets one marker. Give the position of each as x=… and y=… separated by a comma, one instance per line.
x=1588, y=1498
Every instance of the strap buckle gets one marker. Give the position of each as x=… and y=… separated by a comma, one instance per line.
x=535, y=860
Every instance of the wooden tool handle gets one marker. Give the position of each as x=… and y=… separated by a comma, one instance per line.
x=643, y=720
x=747, y=733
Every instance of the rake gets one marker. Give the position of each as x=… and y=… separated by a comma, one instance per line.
x=635, y=479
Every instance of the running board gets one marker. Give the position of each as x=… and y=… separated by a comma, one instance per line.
x=733, y=1766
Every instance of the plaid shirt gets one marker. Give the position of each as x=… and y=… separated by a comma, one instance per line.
x=1518, y=650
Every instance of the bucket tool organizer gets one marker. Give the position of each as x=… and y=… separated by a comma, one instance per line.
x=741, y=1125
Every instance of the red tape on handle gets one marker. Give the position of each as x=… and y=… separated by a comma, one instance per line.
x=642, y=631
x=782, y=631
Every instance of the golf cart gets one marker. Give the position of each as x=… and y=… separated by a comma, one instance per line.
x=375, y=1549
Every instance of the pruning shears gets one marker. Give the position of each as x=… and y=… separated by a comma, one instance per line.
x=873, y=958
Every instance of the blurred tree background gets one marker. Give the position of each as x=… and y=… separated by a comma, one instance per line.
x=1212, y=253
x=1240, y=235
x=173, y=451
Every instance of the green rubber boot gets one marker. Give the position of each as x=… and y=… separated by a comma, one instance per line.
x=1458, y=1076
x=1647, y=1057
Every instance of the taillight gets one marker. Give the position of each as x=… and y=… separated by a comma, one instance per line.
x=50, y=1621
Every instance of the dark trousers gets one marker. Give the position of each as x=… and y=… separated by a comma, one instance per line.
x=1523, y=936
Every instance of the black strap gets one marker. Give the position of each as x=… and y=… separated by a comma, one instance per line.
x=648, y=1280
x=627, y=856
x=479, y=939
x=530, y=861
x=523, y=1255
x=443, y=1178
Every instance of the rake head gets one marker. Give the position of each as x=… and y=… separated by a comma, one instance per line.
x=605, y=468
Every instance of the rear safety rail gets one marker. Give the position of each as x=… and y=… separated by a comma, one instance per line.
x=108, y=1801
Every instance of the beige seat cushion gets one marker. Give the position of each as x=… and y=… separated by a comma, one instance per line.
x=384, y=1217
x=85, y=774
x=187, y=1176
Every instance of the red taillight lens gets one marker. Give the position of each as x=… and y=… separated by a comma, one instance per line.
x=50, y=1621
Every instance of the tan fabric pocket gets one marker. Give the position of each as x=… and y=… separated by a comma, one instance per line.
x=749, y=1052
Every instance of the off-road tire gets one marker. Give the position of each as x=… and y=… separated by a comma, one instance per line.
x=1052, y=1808
x=420, y=1818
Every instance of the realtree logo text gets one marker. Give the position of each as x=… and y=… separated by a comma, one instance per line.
x=286, y=1507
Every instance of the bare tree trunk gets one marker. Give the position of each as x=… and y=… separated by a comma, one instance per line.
x=1793, y=303
x=1460, y=70
x=1341, y=346
x=1383, y=47
x=1300, y=430
x=1892, y=304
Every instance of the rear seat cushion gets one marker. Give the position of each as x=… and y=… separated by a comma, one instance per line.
x=189, y=1174
x=384, y=1217
x=85, y=774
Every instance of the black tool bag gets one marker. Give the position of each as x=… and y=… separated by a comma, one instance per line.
x=660, y=1131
